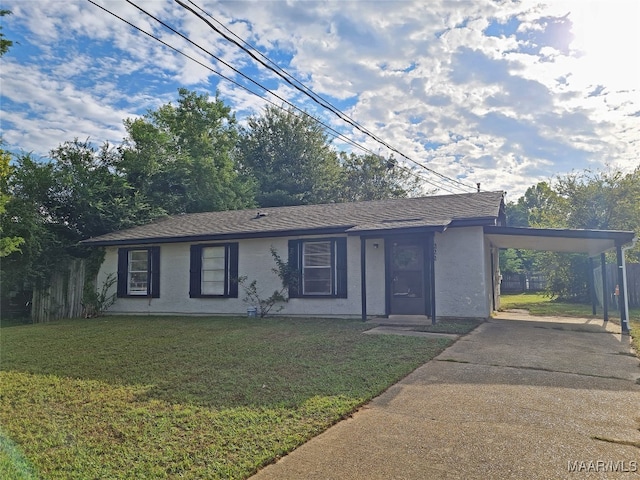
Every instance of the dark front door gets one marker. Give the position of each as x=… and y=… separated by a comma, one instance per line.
x=405, y=282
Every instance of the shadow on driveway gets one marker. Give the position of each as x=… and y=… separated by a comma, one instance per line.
x=519, y=397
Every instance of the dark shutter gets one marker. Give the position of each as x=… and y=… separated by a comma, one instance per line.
x=194, y=271
x=123, y=268
x=233, y=270
x=294, y=263
x=154, y=254
x=341, y=267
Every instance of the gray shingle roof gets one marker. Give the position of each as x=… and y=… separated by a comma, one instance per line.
x=357, y=217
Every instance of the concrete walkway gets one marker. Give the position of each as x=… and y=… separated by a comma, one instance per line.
x=520, y=397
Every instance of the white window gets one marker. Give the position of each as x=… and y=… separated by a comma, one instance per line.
x=317, y=268
x=213, y=273
x=138, y=272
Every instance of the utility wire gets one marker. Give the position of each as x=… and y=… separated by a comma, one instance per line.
x=242, y=44
x=164, y=24
x=335, y=133
x=328, y=127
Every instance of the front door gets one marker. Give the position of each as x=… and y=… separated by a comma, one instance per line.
x=405, y=282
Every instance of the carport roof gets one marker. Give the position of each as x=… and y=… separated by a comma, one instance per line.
x=592, y=242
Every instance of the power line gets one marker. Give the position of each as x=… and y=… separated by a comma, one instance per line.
x=305, y=90
x=336, y=134
x=164, y=24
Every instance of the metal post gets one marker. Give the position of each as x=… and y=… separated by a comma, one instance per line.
x=592, y=285
x=621, y=284
x=363, y=276
x=605, y=290
x=493, y=281
x=431, y=246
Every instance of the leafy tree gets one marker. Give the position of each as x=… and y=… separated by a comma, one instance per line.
x=289, y=158
x=371, y=177
x=8, y=244
x=5, y=43
x=608, y=200
x=540, y=206
x=88, y=196
x=26, y=217
x=54, y=204
x=604, y=200
x=179, y=158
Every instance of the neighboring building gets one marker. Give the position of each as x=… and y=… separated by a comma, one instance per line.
x=416, y=256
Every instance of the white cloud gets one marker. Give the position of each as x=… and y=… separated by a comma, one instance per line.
x=506, y=109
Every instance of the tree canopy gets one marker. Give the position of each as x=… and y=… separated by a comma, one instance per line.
x=601, y=200
x=180, y=158
x=289, y=158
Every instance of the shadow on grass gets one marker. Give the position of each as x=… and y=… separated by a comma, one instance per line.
x=220, y=362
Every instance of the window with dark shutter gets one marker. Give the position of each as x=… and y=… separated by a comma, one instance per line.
x=214, y=270
x=139, y=272
x=321, y=266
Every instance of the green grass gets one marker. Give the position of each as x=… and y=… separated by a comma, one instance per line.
x=158, y=397
x=458, y=326
x=539, y=304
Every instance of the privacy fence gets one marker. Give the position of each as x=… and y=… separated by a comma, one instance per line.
x=63, y=297
x=611, y=272
x=523, y=282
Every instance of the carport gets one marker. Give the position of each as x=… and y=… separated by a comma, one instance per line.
x=595, y=243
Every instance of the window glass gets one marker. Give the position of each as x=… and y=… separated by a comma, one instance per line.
x=138, y=274
x=317, y=268
x=213, y=271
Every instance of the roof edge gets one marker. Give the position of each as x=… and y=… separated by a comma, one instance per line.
x=619, y=236
x=216, y=237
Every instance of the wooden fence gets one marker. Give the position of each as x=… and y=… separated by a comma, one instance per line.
x=521, y=282
x=633, y=283
x=63, y=297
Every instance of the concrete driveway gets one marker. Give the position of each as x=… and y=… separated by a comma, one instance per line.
x=520, y=397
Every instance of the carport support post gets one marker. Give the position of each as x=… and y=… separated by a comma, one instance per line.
x=363, y=276
x=431, y=247
x=605, y=290
x=592, y=287
x=621, y=286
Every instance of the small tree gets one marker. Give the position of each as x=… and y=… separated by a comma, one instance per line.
x=253, y=296
x=94, y=301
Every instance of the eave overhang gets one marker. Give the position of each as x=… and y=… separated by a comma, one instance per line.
x=592, y=242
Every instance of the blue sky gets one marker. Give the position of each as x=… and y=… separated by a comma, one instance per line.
x=503, y=93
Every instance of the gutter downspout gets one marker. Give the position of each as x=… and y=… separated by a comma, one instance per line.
x=625, y=325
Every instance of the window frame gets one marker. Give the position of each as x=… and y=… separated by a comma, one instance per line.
x=230, y=270
x=338, y=267
x=124, y=272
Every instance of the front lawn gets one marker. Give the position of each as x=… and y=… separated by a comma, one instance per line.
x=159, y=397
